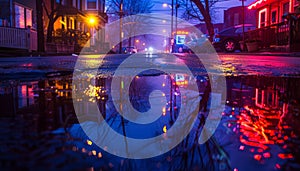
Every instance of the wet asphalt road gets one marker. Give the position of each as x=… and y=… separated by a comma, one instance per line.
x=26, y=67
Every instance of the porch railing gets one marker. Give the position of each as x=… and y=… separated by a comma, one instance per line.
x=18, y=38
x=282, y=34
x=276, y=34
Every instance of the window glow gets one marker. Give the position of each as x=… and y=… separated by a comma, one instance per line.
x=19, y=17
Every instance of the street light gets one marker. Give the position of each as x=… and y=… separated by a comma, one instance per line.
x=172, y=22
x=173, y=36
x=92, y=20
x=165, y=5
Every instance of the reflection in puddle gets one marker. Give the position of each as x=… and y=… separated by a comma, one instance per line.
x=266, y=119
x=262, y=115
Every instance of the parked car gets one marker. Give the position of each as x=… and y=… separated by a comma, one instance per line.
x=228, y=39
x=129, y=50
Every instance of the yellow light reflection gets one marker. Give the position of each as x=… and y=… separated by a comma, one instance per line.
x=165, y=129
x=89, y=142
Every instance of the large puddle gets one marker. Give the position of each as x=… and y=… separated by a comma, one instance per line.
x=259, y=127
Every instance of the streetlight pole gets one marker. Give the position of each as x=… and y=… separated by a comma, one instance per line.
x=121, y=27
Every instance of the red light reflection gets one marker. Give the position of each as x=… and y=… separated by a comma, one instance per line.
x=260, y=128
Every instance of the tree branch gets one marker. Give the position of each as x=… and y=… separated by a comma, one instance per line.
x=196, y=12
x=47, y=12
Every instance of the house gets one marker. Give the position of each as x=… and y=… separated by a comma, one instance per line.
x=278, y=23
x=66, y=24
x=73, y=23
x=18, y=25
x=17, y=13
x=234, y=16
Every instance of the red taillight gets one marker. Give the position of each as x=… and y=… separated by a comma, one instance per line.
x=217, y=36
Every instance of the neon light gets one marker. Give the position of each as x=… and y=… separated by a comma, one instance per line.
x=182, y=32
x=259, y=17
x=256, y=3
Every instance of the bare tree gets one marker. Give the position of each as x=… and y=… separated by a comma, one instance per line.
x=130, y=7
x=53, y=12
x=201, y=10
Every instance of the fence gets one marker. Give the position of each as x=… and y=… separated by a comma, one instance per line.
x=18, y=38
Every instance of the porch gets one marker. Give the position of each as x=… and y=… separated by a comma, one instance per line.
x=284, y=35
x=18, y=38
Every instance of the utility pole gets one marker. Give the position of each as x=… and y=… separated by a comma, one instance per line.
x=243, y=21
x=40, y=27
x=121, y=27
x=176, y=15
x=172, y=23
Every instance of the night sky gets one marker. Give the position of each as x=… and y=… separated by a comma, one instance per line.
x=219, y=7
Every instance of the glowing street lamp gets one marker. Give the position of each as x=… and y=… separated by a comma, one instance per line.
x=92, y=21
x=172, y=20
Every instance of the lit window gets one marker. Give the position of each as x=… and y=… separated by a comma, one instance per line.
x=19, y=17
x=23, y=16
x=286, y=7
x=274, y=17
x=262, y=20
x=28, y=17
x=91, y=4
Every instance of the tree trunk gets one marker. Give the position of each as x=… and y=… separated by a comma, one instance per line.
x=204, y=10
x=40, y=31
x=50, y=30
x=210, y=29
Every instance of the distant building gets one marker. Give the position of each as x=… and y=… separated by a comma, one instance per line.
x=234, y=16
x=217, y=27
x=73, y=23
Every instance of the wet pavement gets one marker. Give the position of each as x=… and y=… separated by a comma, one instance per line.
x=258, y=131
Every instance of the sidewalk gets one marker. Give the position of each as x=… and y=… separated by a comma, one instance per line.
x=264, y=53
